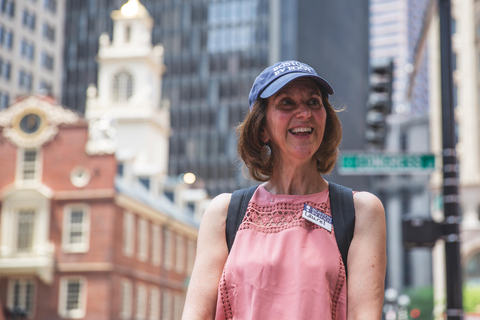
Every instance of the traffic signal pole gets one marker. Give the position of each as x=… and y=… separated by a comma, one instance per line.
x=451, y=225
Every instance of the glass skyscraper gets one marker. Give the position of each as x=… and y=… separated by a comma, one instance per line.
x=213, y=52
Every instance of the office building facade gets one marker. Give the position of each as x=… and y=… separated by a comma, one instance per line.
x=31, y=48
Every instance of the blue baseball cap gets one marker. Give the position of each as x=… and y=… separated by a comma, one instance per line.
x=278, y=75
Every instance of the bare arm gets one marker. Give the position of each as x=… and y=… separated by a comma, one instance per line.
x=212, y=252
x=367, y=259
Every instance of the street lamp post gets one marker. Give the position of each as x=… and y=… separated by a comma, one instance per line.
x=451, y=230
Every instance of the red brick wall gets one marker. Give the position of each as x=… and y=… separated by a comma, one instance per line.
x=98, y=293
x=66, y=152
x=8, y=158
x=102, y=225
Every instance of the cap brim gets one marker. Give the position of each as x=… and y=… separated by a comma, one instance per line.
x=282, y=81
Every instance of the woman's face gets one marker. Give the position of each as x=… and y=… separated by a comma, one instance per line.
x=295, y=120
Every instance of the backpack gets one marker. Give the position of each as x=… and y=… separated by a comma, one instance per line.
x=341, y=205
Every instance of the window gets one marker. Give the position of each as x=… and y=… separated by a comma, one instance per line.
x=4, y=100
x=154, y=304
x=25, y=228
x=141, y=302
x=126, y=303
x=25, y=79
x=9, y=8
x=180, y=254
x=128, y=234
x=28, y=19
x=46, y=60
x=6, y=70
x=21, y=295
x=29, y=164
x=8, y=40
x=190, y=255
x=167, y=249
x=145, y=181
x=48, y=32
x=50, y=5
x=473, y=270
x=72, y=302
x=156, y=245
x=122, y=86
x=178, y=302
x=166, y=305
x=128, y=33
x=142, y=234
x=27, y=49
x=45, y=87
x=76, y=227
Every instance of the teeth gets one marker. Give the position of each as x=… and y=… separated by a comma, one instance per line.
x=303, y=129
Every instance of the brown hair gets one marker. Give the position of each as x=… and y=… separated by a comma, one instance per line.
x=259, y=162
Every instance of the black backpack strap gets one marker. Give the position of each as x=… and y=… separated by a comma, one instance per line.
x=236, y=212
x=343, y=216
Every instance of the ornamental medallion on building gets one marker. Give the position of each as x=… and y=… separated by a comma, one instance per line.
x=34, y=121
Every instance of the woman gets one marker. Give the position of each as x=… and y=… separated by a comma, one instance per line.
x=282, y=266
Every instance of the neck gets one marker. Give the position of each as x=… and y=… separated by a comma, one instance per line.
x=296, y=180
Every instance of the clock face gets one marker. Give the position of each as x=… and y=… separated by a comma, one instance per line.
x=30, y=123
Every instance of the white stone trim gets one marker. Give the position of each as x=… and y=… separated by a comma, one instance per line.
x=84, y=245
x=79, y=312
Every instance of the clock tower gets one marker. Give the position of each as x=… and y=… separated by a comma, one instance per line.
x=127, y=108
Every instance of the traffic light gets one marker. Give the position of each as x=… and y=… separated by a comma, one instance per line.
x=379, y=103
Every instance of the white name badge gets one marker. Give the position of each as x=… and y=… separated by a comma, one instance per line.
x=318, y=217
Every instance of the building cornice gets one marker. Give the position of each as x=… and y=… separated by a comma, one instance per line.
x=87, y=194
x=154, y=215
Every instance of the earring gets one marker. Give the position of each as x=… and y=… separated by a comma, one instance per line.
x=268, y=149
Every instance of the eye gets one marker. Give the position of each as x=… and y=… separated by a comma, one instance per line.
x=286, y=103
x=314, y=102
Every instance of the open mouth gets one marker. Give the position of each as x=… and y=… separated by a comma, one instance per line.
x=303, y=131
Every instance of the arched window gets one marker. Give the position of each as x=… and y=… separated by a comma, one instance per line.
x=128, y=33
x=122, y=86
x=473, y=269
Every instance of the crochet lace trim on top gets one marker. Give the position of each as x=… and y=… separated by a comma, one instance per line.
x=278, y=217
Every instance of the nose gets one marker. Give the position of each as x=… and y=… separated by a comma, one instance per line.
x=303, y=111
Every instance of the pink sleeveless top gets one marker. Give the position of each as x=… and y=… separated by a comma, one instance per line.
x=282, y=266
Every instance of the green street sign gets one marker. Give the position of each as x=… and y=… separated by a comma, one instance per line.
x=385, y=163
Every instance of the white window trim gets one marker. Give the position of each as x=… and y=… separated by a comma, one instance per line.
x=142, y=238
x=20, y=165
x=156, y=245
x=166, y=304
x=76, y=247
x=62, y=300
x=16, y=229
x=191, y=251
x=123, y=88
x=140, y=302
x=167, y=249
x=154, y=304
x=178, y=303
x=126, y=302
x=179, y=253
x=128, y=234
x=10, y=289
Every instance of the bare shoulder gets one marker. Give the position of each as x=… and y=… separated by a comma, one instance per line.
x=214, y=217
x=218, y=207
x=368, y=208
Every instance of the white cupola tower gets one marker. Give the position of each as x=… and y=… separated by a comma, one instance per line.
x=129, y=97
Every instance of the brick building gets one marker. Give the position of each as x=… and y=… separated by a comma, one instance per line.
x=76, y=240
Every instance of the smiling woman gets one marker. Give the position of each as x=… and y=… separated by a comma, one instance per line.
x=286, y=261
